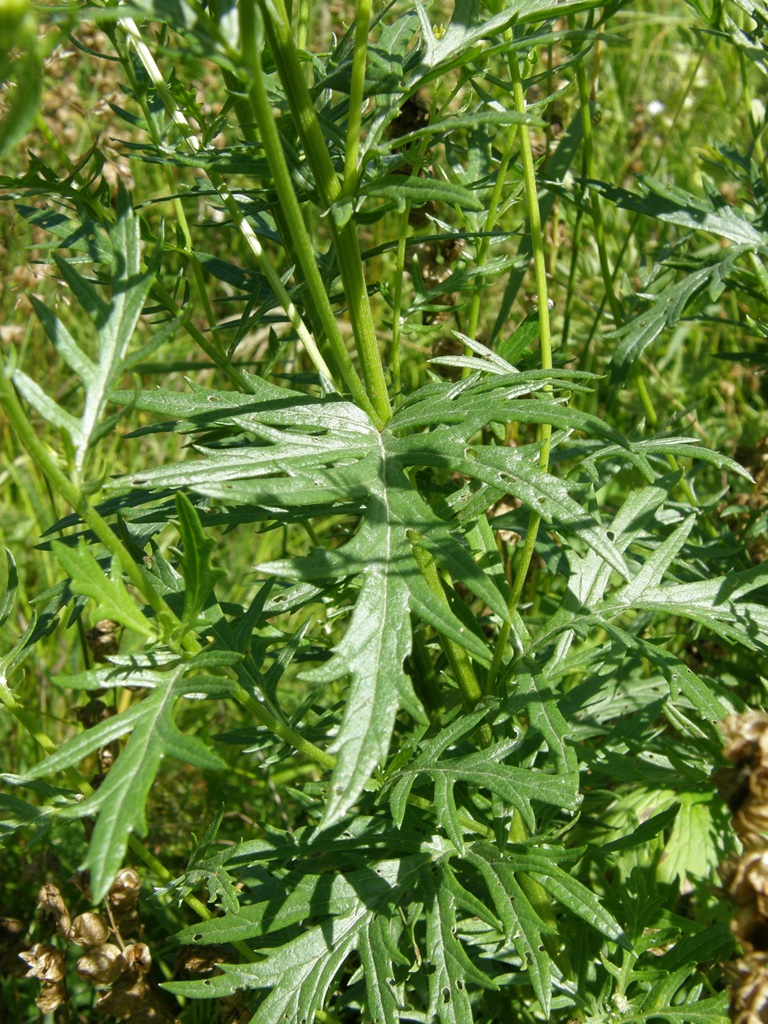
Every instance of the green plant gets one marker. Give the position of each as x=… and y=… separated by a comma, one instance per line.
x=468, y=619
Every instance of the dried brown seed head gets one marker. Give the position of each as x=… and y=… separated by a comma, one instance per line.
x=52, y=995
x=747, y=738
x=104, y=639
x=749, y=890
x=51, y=902
x=89, y=929
x=45, y=962
x=138, y=957
x=11, y=931
x=125, y=888
x=748, y=979
x=199, y=960
x=414, y=114
x=101, y=966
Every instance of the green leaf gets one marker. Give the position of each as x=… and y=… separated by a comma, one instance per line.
x=421, y=190
x=299, y=973
x=199, y=574
x=115, y=322
x=694, y=848
x=677, y=206
x=666, y=309
x=449, y=1000
x=570, y=892
x=522, y=925
x=121, y=798
x=482, y=769
x=9, y=589
x=313, y=458
x=108, y=592
x=717, y=604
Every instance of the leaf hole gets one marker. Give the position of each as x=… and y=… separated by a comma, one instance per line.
x=338, y=790
x=459, y=984
x=446, y=995
x=198, y=937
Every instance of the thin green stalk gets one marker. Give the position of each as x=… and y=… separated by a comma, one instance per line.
x=490, y=223
x=570, y=293
x=416, y=156
x=754, y=129
x=589, y=172
x=630, y=234
x=356, y=96
x=545, y=341
x=469, y=687
x=290, y=209
x=760, y=272
x=327, y=182
x=397, y=302
x=225, y=194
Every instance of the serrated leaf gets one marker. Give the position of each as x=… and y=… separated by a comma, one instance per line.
x=449, y=999
x=693, y=850
x=566, y=889
x=314, y=457
x=677, y=206
x=115, y=321
x=484, y=769
x=200, y=576
x=665, y=311
x=717, y=604
x=121, y=798
x=87, y=578
x=522, y=925
x=299, y=973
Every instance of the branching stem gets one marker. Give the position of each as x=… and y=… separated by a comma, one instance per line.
x=341, y=223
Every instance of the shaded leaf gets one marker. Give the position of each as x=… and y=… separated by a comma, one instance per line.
x=121, y=798
x=87, y=578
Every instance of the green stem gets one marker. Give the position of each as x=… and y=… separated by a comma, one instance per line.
x=397, y=302
x=545, y=341
x=356, y=96
x=461, y=666
x=290, y=210
x=589, y=172
x=490, y=223
x=226, y=196
x=344, y=233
